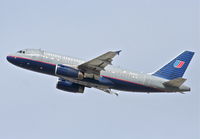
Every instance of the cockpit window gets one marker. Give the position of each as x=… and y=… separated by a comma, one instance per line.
x=22, y=52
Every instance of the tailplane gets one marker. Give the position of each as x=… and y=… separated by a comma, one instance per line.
x=175, y=82
x=176, y=68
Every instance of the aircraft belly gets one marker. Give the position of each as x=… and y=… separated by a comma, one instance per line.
x=104, y=82
x=127, y=85
x=36, y=66
x=134, y=87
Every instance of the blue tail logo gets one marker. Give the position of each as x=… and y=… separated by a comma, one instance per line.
x=176, y=68
x=179, y=64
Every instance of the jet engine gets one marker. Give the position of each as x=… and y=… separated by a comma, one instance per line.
x=67, y=71
x=70, y=87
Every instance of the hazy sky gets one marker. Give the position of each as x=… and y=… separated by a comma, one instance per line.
x=149, y=33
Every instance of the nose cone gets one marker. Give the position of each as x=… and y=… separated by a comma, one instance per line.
x=8, y=58
x=11, y=59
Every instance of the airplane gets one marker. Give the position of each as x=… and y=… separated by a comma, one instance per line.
x=74, y=74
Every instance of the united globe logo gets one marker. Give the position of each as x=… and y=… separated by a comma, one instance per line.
x=179, y=64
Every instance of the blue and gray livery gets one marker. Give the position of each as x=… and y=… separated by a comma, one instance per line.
x=75, y=74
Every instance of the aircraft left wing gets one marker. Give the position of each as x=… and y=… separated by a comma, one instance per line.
x=96, y=65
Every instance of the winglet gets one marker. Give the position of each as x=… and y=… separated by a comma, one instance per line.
x=118, y=52
x=175, y=83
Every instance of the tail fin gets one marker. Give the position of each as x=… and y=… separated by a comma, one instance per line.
x=176, y=68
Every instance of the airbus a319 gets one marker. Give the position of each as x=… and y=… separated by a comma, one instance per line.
x=74, y=75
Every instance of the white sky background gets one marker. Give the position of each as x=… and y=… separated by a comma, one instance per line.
x=150, y=33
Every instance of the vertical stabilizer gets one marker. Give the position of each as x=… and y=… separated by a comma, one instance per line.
x=176, y=68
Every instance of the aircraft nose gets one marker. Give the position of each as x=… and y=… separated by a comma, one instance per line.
x=10, y=59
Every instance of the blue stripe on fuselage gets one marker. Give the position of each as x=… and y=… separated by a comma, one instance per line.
x=49, y=68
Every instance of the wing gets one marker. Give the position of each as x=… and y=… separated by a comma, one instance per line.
x=96, y=65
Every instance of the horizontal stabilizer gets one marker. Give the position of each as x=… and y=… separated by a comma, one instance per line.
x=175, y=83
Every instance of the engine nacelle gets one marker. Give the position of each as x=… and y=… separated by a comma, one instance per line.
x=66, y=71
x=70, y=87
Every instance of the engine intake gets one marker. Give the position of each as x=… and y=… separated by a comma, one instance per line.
x=70, y=87
x=67, y=71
